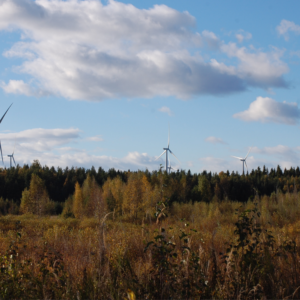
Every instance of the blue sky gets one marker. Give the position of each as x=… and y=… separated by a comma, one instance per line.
x=97, y=83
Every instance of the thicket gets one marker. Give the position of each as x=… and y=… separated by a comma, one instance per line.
x=222, y=250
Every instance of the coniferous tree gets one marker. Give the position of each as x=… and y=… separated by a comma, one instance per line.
x=204, y=188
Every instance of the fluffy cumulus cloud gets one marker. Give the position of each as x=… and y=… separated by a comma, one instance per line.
x=268, y=110
x=17, y=87
x=214, y=140
x=93, y=51
x=22, y=88
x=57, y=147
x=285, y=26
x=260, y=69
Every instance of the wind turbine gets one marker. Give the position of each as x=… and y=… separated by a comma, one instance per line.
x=170, y=167
x=166, y=150
x=12, y=156
x=0, y=123
x=243, y=159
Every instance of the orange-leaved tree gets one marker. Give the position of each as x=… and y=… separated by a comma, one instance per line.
x=93, y=203
x=78, y=202
x=135, y=198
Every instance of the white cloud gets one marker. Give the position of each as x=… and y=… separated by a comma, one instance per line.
x=285, y=26
x=242, y=35
x=214, y=140
x=17, y=87
x=132, y=161
x=166, y=110
x=268, y=110
x=96, y=138
x=39, y=139
x=211, y=39
x=91, y=51
x=279, y=151
x=257, y=68
x=69, y=149
x=282, y=155
x=21, y=88
x=51, y=147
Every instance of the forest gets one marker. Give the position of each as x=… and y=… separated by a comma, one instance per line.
x=181, y=186
x=87, y=234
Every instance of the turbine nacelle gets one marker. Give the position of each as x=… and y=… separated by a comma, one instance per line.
x=166, y=150
x=243, y=159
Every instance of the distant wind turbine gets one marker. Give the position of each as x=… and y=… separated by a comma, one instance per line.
x=243, y=160
x=166, y=150
x=0, y=123
x=12, y=156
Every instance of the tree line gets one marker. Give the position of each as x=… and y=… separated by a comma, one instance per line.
x=126, y=192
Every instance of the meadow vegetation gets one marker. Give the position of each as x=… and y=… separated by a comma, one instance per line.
x=131, y=239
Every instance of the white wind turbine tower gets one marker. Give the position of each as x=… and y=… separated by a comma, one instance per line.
x=166, y=150
x=243, y=159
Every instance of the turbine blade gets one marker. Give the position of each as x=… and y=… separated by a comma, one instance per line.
x=1, y=153
x=174, y=155
x=236, y=157
x=14, y=160
x=5, y=114
x=248, y=152
x=246, y=165
x=160, y=155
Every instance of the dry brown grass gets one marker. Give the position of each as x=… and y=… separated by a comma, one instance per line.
x=103, y=262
